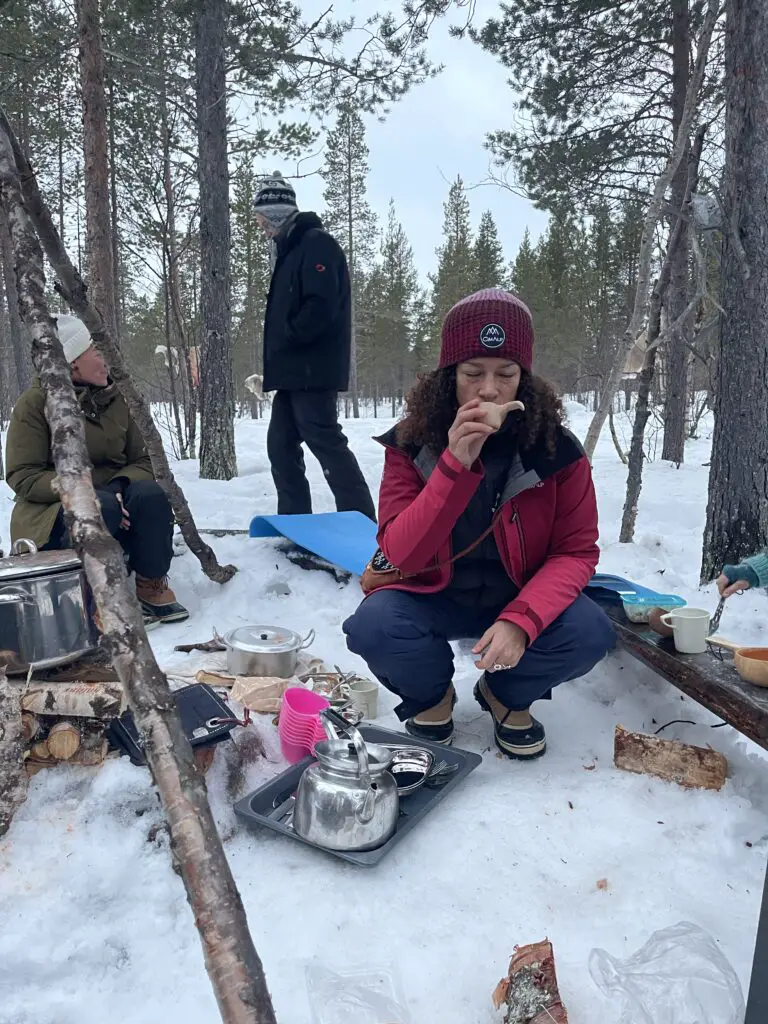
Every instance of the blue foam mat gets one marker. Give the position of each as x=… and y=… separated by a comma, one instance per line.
x=348, y=540
x=345, y=539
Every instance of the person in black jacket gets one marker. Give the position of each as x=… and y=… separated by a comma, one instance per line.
x=307, y=338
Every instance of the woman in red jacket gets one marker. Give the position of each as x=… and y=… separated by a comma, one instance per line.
x=525, y=492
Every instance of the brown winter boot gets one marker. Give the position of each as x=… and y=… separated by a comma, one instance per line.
x=436, y=723
x=158, y=601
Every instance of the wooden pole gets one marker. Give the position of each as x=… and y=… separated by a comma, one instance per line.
x=232, y=962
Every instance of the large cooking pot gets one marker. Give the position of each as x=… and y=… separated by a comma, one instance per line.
x=44, y=619
x=265, y=650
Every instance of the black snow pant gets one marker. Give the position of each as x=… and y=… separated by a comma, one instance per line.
x=310, y=416
x=148, y=543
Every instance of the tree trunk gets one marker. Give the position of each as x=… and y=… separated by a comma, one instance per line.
x=645, y=383
x=21, y=365
x=113, y=217
x=677, y=294
x=98, y=216
x=612, y=380
x=74, y=291
x=642, y=412
x=217, y=401
x=233, y=965
x=737, y=512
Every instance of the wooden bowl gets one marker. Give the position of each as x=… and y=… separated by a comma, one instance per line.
x=752, y=664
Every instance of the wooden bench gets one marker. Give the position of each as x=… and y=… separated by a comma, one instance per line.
x=711, y=682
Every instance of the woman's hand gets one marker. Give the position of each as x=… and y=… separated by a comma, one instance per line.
x=468, y=433
x=728, y=589
x=502, y=646
x=125, y=520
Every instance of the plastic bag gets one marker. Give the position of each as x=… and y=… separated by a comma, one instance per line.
x=678, y=977
x=355, y=995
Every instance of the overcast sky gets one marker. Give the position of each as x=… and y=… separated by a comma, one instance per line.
x=434, y=133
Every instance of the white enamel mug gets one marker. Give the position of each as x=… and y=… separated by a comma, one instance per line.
x=691, y=626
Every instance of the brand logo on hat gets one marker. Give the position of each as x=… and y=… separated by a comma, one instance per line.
x=492, y=336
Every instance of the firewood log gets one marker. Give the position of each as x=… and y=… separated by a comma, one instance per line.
x=64, y=740
x=688, y=766
x=40, y=752
x=13, y=777
x=78, y=700
x=30, y=725
x=530, y=988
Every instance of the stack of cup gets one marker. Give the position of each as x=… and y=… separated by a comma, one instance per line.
x=300, y=727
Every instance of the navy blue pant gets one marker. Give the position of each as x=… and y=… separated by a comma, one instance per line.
x=148, y=544
x=404, y=639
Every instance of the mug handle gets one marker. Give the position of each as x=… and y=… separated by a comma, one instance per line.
x=667, y=619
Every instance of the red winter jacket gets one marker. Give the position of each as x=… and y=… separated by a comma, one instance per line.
x=545, y=525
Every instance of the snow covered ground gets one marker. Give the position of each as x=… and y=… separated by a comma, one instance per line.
x=94, y=925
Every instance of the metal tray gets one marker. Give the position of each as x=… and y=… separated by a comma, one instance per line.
x=266, y=805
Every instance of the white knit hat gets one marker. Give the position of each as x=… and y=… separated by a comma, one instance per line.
x=73, y=335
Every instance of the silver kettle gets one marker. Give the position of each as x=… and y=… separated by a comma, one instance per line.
x=346, y=800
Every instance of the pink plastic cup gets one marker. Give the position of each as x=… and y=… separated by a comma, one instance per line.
x=299, y=717
x=293, y=752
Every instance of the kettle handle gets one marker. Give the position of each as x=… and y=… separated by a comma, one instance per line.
x=332, y=718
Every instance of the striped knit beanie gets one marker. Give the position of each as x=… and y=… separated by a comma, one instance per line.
x=275, y=200
x=491, y=322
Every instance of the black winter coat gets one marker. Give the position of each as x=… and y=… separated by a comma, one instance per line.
x=308, y=322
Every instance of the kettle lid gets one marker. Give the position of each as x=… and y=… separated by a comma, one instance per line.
x=341, y=755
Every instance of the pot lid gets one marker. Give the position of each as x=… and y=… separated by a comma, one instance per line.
x=36, y=563
x=263, y=639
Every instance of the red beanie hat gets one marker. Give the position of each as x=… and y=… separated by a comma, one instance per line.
x=489, y=323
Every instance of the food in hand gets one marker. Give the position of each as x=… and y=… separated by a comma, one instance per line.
x=496, y=414
x=654, y=621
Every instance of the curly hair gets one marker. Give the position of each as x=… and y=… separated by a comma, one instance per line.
x=431, y=407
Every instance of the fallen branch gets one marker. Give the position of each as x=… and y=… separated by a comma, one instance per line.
x=72, y=287
x=690, y=767
x=231, y=960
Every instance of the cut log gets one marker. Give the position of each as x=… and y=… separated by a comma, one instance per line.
x=13, y=777
x=30, y=726
x=76, y=700
x=64, y=740
x=40, y=752
x=688, y=766
x=530, y=989
x=91, y=753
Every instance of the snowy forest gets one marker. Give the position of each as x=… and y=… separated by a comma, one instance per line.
x=623, y=197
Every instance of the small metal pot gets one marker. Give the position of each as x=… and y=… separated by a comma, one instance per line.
x=44, y=619
x=265, y=650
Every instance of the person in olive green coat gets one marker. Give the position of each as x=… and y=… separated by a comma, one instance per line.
x=135, y=508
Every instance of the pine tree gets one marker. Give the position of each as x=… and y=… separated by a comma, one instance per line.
x=489, y=255
x=395, y=299
x=349, y=216
x=737, y=512
x=456, y=263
